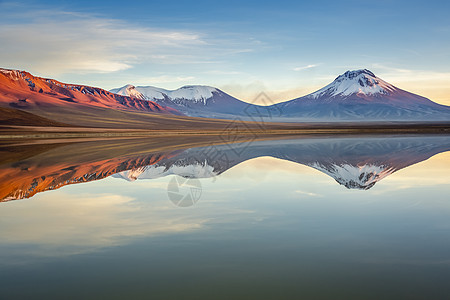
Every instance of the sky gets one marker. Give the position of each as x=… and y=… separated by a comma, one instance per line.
x=286, y=49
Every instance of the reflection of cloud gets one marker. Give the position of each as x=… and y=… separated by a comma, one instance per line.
x=417, y=175
x=272, y=164
x=307, y=193
x=63, y=224
x=405, y=261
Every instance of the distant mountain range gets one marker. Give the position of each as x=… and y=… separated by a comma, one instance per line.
x=354, y=162
x=353, y=96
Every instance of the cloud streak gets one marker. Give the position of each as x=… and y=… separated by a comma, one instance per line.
x=57, y=42
x=64, y=224
x=305, y=67
x=431, y=84
x=409, y=75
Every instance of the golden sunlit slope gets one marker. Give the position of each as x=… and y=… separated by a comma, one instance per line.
x=20, y=89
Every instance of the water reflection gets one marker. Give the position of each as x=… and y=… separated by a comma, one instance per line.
x=356, y=162
x=274, y=227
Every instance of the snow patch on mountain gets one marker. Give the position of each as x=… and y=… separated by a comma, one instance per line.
x=194, y=93
x=12, y=74
x=9, y=72
x=360, y=177
x=197, y=93
x=361, y=82
x=198, y=170
x=130, y=91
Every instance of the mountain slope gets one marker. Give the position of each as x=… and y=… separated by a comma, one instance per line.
x=16, y=117
x=361, y=96
x=193, y=100
x=19, y=89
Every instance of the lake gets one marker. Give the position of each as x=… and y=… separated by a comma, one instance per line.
x=310, y=217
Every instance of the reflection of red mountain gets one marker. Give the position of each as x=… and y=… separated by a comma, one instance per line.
x=25, y=179
x=30, y=168
x=19, y=89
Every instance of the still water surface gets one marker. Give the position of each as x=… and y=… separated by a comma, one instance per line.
x=310, y=218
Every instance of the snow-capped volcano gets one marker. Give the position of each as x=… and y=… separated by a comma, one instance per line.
x=359, y=95
x=360, y=82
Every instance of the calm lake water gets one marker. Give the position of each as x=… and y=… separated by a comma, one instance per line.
x=354, y=217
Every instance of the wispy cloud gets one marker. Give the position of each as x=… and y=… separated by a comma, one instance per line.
x=305, y=67
x=54, y=41
x=408, y=75
x=429, y=83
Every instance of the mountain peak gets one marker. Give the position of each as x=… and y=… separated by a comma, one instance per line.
x=354, y=73
x=129, y=90
x=189, y=93
x=361, y=82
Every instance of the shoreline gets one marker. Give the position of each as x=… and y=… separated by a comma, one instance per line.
x=240, y=129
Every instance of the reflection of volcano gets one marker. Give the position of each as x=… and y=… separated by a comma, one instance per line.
x=355, y=162
x=360, y=177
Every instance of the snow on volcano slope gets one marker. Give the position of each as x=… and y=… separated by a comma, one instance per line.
x=361, y=82
x=361, y=96
x=355, y=177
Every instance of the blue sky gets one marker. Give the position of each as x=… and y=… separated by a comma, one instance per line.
x=285, y=48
